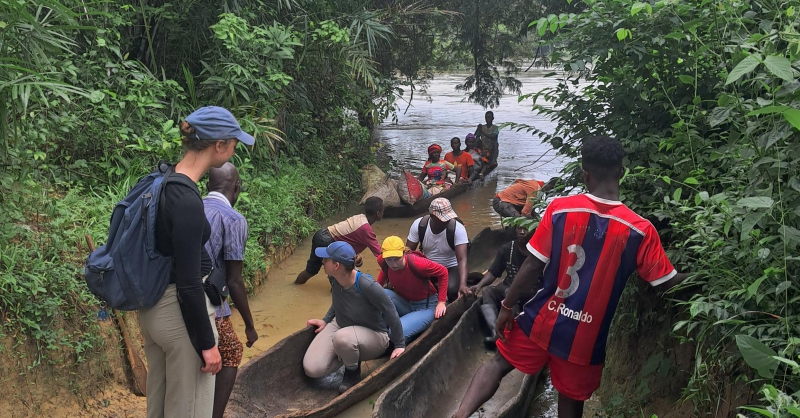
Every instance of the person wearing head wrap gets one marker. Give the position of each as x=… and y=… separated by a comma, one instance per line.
x=436, y=170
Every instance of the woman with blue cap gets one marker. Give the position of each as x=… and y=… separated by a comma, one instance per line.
x=178, y=331
x=358, y=326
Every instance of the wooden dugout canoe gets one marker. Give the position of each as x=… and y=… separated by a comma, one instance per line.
x=421, y=207
x=435, y=386
x=275, y=385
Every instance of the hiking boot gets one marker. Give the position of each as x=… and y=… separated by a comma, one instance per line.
x=351, y=377
x=490, y=316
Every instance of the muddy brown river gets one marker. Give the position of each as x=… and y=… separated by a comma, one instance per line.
x=280, y=307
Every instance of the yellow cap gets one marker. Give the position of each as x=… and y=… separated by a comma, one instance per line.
x=393, y=247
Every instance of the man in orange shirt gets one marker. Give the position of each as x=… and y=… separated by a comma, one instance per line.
x=459, y=158
x=518, y=198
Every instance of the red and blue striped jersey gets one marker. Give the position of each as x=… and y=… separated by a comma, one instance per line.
x=591, y=247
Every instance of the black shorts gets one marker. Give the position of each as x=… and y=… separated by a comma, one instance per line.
x=322, y=238
x=505, y=209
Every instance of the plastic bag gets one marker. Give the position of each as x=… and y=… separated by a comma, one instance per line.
x=410, y=189
x=370, y=176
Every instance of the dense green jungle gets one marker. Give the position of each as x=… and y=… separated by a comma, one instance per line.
x=703, y=94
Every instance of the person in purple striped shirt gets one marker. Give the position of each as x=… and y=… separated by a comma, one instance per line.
x=227, y=244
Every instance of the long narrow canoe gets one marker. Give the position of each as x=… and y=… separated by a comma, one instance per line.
x=274, y=384
x=420, y=207
x=435, y=386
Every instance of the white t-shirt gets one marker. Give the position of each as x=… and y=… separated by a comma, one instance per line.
x=435, y=246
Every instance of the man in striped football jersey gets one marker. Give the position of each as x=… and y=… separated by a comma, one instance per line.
x=584, y=250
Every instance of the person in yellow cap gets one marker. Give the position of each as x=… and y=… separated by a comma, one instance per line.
x=407, y=276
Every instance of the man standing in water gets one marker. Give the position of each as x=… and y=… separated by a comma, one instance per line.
x=226, y=245
x=488, y=134
x=584, y=250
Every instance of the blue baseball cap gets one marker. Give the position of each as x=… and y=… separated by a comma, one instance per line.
x=215, y=123
x=339, y=251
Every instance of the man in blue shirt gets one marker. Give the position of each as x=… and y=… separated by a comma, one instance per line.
x=226, y=245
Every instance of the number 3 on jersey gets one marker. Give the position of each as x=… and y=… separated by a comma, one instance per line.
x=572, y=272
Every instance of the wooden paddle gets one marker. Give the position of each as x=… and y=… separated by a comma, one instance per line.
x=137, y=365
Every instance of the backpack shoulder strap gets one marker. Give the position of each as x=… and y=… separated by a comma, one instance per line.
x=422, y=227
x=419, y=275
x=385, y=271
x=451, y=233
x=358, y=275
x=161, y=201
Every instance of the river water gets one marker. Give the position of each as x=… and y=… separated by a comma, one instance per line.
x=280, y=307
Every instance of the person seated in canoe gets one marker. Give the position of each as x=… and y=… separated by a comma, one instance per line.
x=509, y=259
x=488, y=134
x=436, y=170
x=460, y=159
x=583, y=251
x=359, y=324
x=408, y=280
x=355, y=230
x=473, y=148
x=443, y=239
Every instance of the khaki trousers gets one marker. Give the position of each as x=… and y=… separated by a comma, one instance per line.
x=176, y=388
x=334, y=346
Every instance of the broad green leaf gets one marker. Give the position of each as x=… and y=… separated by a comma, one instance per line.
x=637, y=7
x=794, y=183
x=749, y=223
x=753, y=288
x=793, y=116
x=541, y=27
x=96, y=96
x=783, y=286
x=780, y=67
x=757, y=355
x=790, y=363
x=767, y=110
x=761, y=411
x=676, y=196
x=743, y=67
x=686, y=79
x=791, y=233
x=755, y=202
x=691, y=180
x=719, y=115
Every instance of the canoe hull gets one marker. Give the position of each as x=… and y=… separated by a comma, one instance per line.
x=420, y=207
x=274, y=384
x=436, y=385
